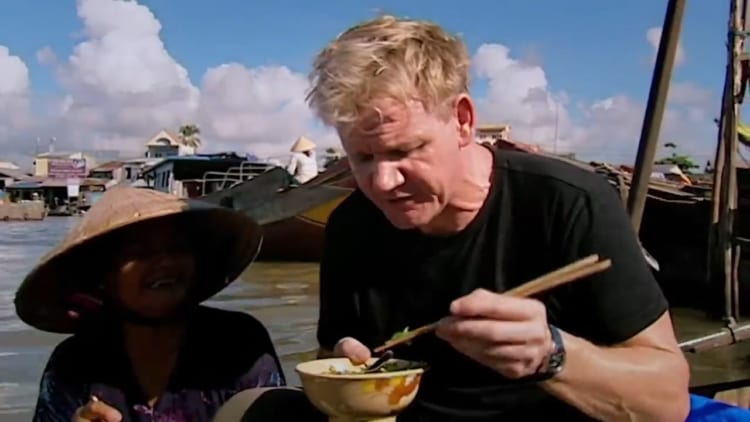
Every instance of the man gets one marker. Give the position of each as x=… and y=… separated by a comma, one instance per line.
x=440, y=226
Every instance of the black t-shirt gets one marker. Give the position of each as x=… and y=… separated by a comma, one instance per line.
x=540, y=214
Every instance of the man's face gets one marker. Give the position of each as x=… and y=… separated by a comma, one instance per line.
x=406, y=160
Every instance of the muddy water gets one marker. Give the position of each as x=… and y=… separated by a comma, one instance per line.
x=283, y=296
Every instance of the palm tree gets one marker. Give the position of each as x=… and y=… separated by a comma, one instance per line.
x=189, y=135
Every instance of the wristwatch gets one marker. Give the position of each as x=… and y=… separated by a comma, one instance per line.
x=555, y=360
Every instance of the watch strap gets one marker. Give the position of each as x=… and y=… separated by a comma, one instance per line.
x=554, y=361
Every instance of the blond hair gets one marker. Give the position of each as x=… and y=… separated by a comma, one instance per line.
x=387, y=57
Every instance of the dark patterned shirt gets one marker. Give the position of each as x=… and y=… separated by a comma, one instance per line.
x=224, y=353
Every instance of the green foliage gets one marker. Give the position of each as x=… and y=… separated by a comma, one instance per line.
x=684, y=162
x=189, y=135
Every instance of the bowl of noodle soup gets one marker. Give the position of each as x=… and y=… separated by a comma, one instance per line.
x=344, y=392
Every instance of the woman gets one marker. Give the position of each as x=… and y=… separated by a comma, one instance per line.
x=303, y=166
x=127, y=282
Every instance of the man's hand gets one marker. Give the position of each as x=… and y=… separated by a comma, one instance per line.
x=97, y=411
x=508, y=334
x=353, y=349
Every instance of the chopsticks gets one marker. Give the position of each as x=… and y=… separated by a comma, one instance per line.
x=572, y=272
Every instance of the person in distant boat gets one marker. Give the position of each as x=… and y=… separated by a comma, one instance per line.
x=440, y=226
x=128, y=282
x=303, y=165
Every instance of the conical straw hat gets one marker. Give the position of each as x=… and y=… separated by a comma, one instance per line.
x=303, y=144
x=44, y=298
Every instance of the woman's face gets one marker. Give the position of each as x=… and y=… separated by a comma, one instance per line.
x=154, y=270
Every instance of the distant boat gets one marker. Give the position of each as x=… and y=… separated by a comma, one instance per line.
x=293, y=218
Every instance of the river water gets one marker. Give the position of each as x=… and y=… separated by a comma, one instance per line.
x=284, y=296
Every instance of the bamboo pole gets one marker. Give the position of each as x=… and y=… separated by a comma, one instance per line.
x=724, y=195
x=657, y=99
x=732, y=152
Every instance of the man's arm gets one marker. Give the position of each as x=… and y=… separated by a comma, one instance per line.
x=641, y=373
x=337, y=314
x=644, y=378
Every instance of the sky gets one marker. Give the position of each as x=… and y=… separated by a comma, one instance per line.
x=108, y=74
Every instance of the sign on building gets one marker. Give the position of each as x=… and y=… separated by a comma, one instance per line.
x=66, y=168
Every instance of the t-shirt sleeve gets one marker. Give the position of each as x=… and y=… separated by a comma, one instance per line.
x=620, y=302
x=60, y=392
x=338, y=313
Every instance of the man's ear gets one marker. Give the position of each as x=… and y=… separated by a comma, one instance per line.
x=465, y=114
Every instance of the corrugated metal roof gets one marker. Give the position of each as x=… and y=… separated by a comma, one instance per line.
x=57, y=154
x=30, y=184
x=196, y=157
x=54, y=183
x=14, y=173
x=109, y=165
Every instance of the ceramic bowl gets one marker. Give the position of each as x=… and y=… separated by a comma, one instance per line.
x=359, y=397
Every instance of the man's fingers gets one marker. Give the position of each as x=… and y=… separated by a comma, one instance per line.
x=351, y=348
x=483, y=303
x=489, y=331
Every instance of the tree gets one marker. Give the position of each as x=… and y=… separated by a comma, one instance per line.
x=190, y=135
x=684, y=162
x=331, y=155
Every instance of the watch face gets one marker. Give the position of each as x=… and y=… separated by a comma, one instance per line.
x=556, y=362
x=557, y=359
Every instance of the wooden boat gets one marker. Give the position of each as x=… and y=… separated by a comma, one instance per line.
x=674, y=230
x=299, y=236
x=293, y=218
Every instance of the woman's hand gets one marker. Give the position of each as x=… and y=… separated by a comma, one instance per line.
x=97, y=411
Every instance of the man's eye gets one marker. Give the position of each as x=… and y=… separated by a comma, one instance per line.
x=410, y=150
x=363, y=158
x=414, y=147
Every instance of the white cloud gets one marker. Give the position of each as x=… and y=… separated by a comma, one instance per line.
x=609, y=128
x=690, y=94
x=15, y=105
x=262, y=109
x=121, y=84
x=518, y=94
x=653, y=35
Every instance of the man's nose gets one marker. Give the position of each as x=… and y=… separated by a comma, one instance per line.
x=386, y=176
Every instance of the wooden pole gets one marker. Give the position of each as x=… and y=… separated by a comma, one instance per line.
x=732, y=250
x=724, y=193
x=657, y=99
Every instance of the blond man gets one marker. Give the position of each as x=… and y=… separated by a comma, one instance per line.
x=441, y=225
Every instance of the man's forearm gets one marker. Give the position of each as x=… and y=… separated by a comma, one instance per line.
x=623, y=383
